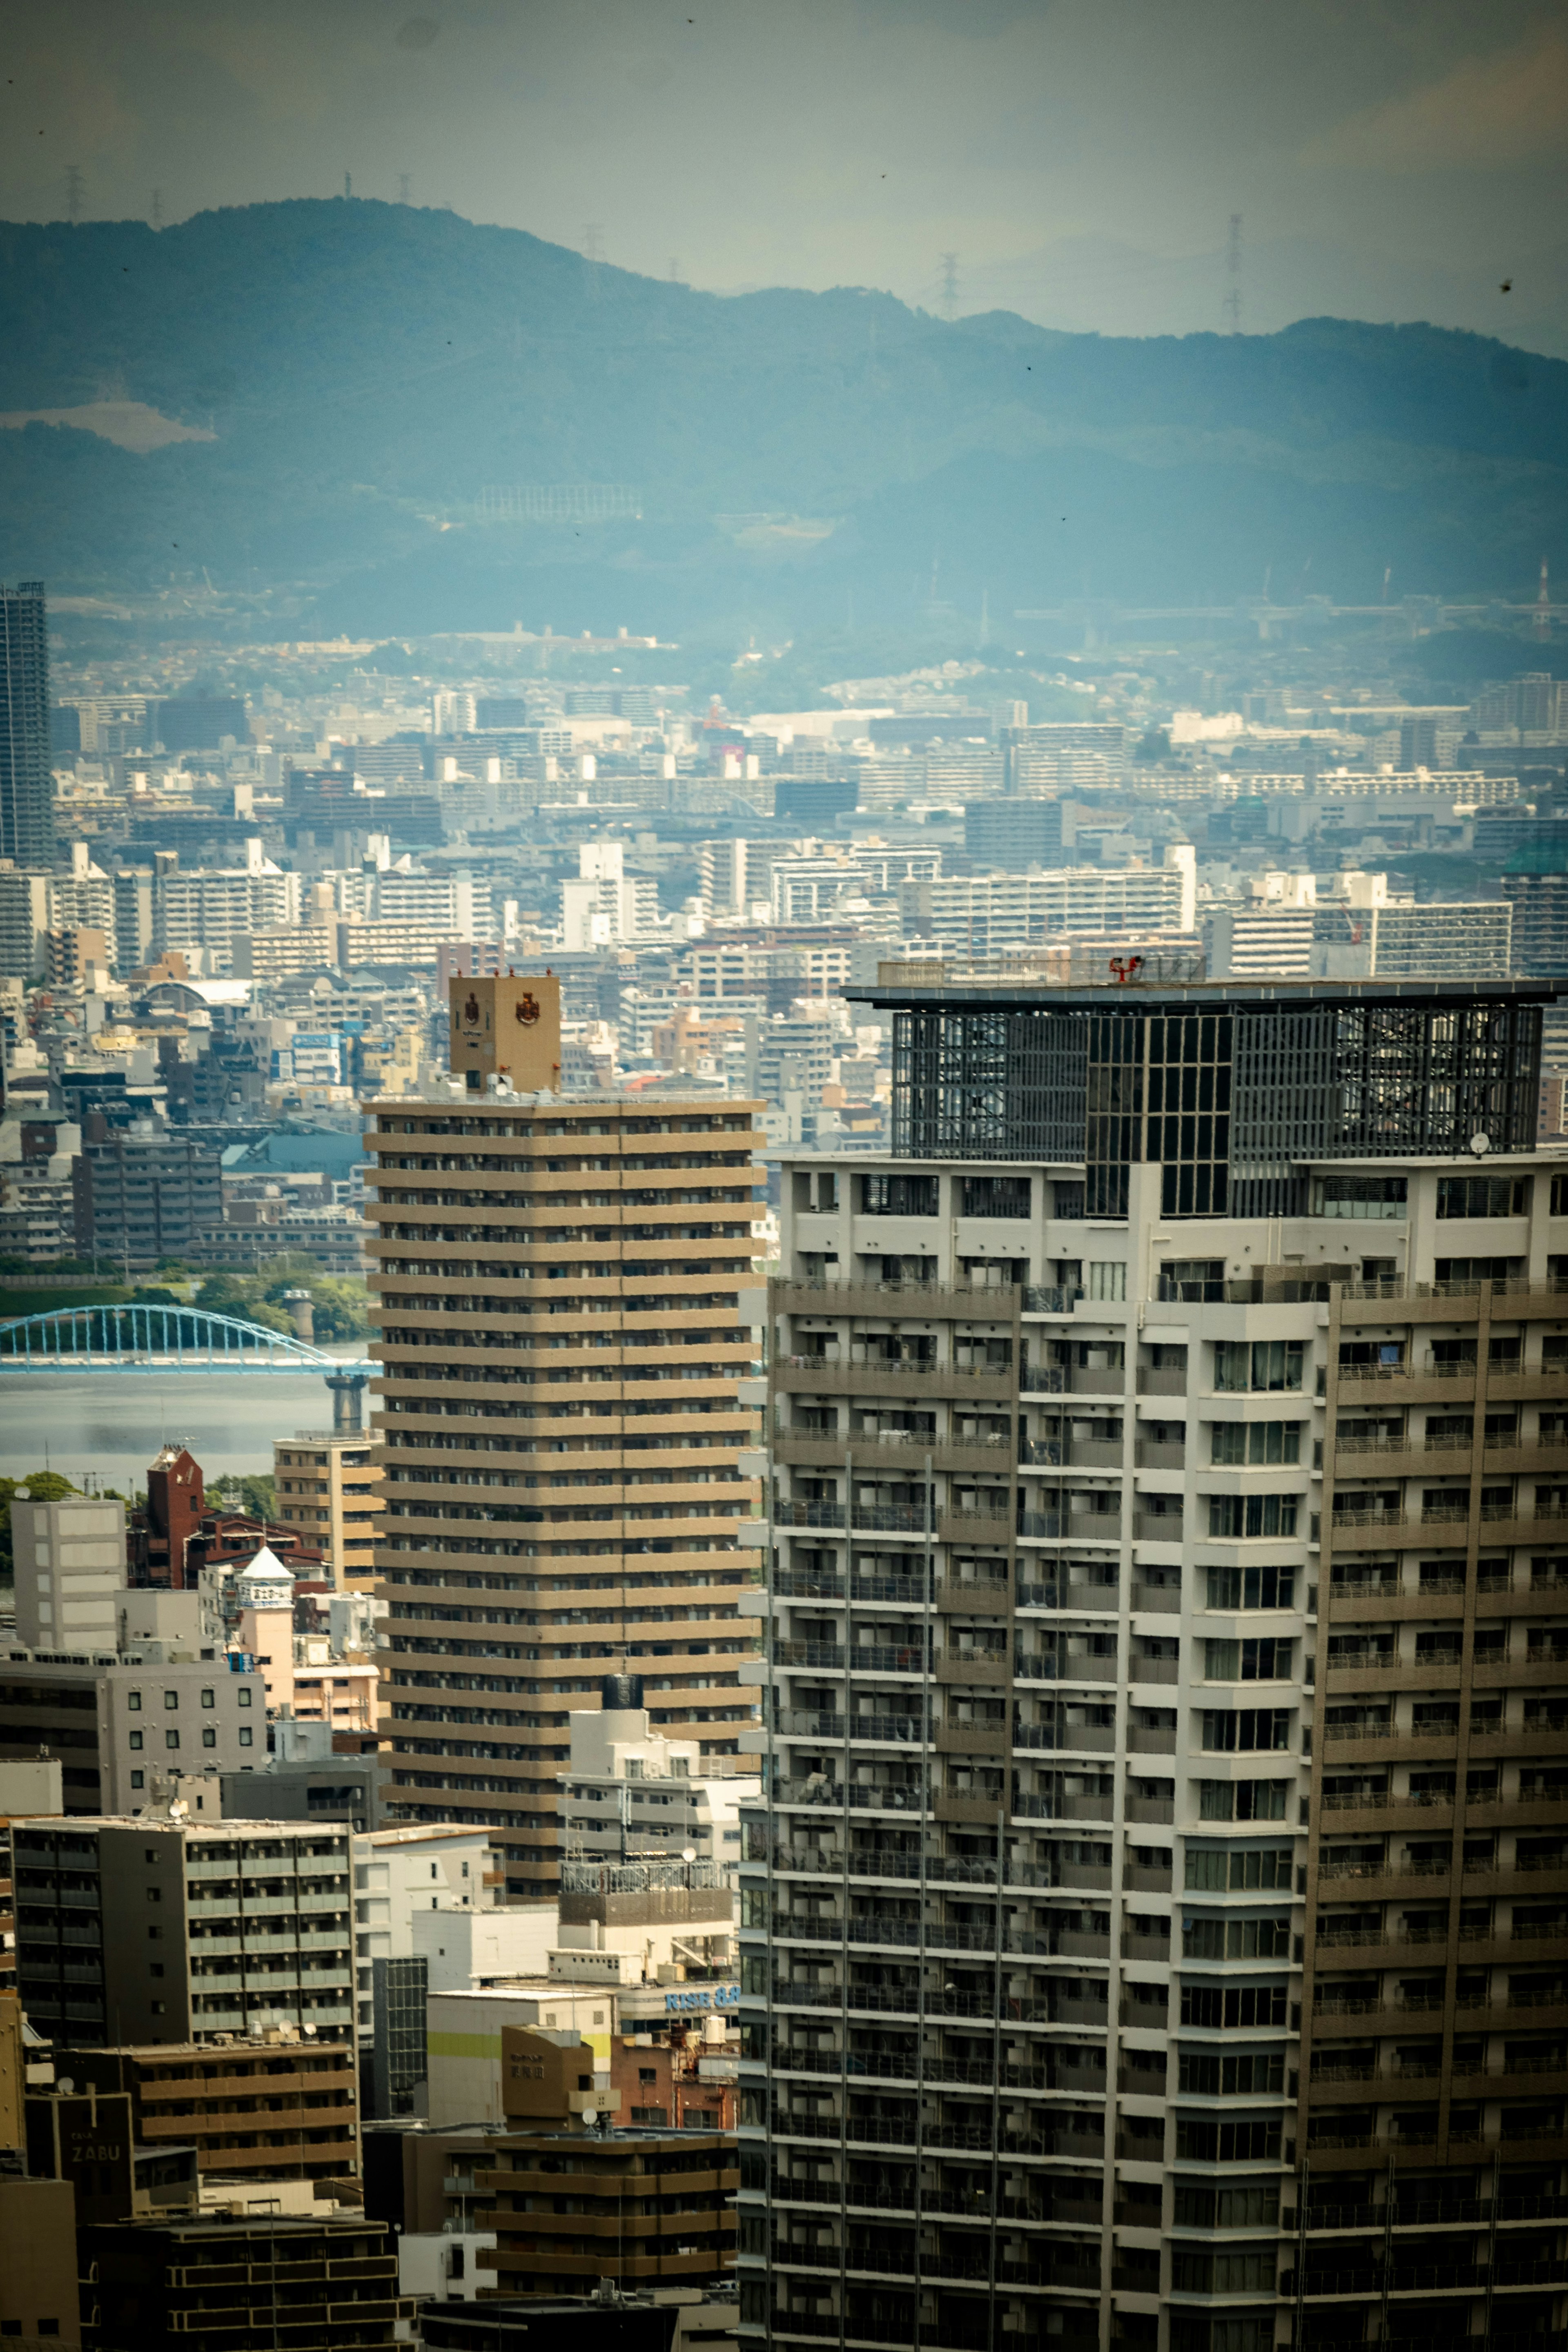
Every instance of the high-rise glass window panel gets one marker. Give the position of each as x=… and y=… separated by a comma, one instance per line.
x=1252, y=1588
x=1258, y=1444
x=1248, y=2270
x=1263, y=1660
x=1202, y=2205
x=1108, y=1278
x=892, y=1194
x=1238, y=1516
x=997, y=1196
x=1232, y=2075
x=1228, y=2007
x=1371, y=1198
x=1193, y=1278
x=1483, y=1196
x=1254, y=1365
x=1243, y=1732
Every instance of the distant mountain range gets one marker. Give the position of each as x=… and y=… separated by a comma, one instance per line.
x=373, y=395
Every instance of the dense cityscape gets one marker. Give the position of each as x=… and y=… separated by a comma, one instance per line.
x=857, y=1807
x=783, y=1178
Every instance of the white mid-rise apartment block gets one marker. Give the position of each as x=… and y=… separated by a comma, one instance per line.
x=990, y=914
x=1155, y=1924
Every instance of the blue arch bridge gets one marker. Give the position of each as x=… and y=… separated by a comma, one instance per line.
x=153, y=1338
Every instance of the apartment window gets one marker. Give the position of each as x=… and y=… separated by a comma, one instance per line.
x=886, y=1194
x=1228, y=2007
x=997, y=1196
x=1210, y=1936
x=171, y=1739
x=209, y=1698
x=171, y=1701
x=1251, y=2269
x=1257, y=1364
x=1363, y=1197
x=244, y=1696
x=135, y=1739
x=1193, y=1278
x=1559, y=1196
x=138, y=1779
x=1108, y=1277
x=1068, y=1202
x=1243, y=1801
x=1239, y=2075
x=1483, y=1196
x=1264, y=1660
x=1257, y=1442
x=134, y=1701
x=1200, y=2207
x=1244, y=1731
x=1223, y=1869
x=1251, y=1588
x=209, y=1736
x=246, y=1737
x=1240, y=1516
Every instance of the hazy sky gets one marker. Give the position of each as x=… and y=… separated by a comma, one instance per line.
x=1081, y=157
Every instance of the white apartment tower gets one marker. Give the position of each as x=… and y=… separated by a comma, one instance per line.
x=1155, y=1927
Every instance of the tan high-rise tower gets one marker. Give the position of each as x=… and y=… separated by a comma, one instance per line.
x=562, y=1344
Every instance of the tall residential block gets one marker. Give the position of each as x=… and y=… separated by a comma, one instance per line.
x=561, y=1345
x=1154, y=1928
x=27, y=779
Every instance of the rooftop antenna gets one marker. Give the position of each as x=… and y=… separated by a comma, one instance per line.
x=1232, y=303
x=73, y=192
x=950, y=285
x=1543, y=603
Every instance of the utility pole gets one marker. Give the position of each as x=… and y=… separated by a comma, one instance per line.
x=950, y=285
x=1232, y=304
x=73, y=192
x=593, y=255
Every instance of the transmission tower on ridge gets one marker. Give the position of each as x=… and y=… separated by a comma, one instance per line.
x=73, y=192
x=405, y=188
x=950, y=285
x=1232, y=304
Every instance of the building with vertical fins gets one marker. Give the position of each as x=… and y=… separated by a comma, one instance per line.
x=561, y=1346
x=1155, y=1925
x=27, y=780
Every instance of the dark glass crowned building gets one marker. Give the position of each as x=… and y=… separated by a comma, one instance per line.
x=26, y=780
x=1154, y=1931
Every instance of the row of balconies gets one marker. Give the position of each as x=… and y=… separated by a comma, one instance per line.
x=1069, y=2003
x=865, y=1867
x=1430, y=1381
x=1067, y=2201
x=1046, y=1942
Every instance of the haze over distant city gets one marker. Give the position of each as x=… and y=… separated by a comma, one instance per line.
x=1081, y=163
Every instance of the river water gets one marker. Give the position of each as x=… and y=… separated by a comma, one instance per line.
x=112, y=1424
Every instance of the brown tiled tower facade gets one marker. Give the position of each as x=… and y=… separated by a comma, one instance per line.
x=561, y=1346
